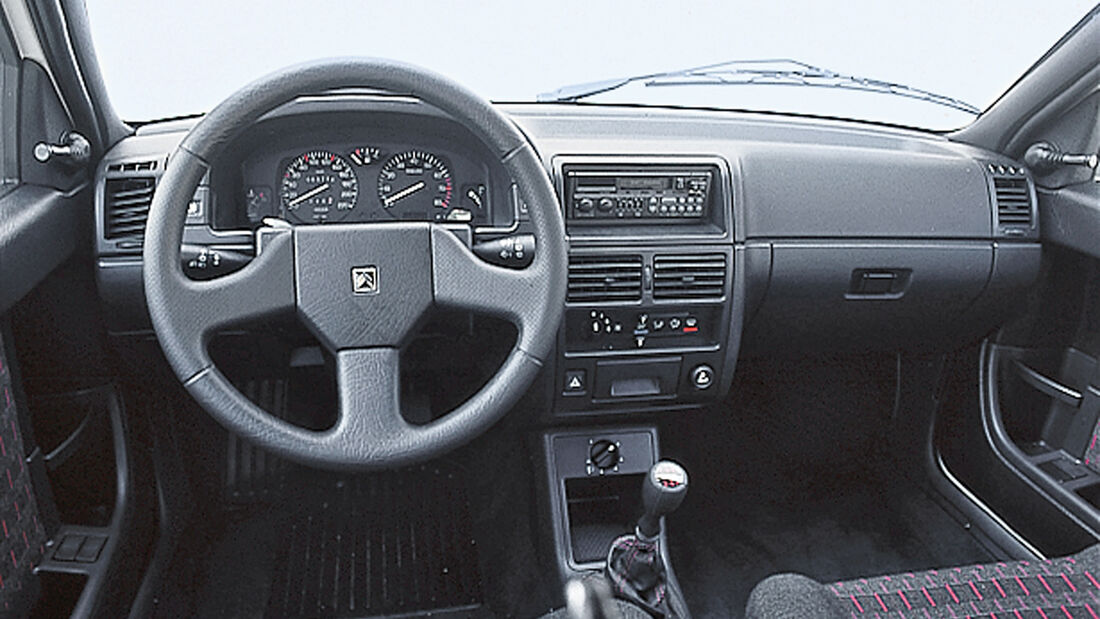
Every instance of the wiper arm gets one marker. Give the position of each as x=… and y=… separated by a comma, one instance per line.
x=773, y=72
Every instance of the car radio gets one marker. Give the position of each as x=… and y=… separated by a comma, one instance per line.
x=639, y=195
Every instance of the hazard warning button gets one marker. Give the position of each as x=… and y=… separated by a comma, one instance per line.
x=576, y=382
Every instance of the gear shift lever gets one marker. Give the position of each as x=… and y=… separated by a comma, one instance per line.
x=635, y=564
x=663, y=491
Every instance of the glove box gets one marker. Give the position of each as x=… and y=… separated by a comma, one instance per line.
x=882, y=295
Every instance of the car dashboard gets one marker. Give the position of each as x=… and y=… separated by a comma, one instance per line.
x=696, y=237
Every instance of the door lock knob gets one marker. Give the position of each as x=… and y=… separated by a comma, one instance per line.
x=1045, y=157
x=74, y=149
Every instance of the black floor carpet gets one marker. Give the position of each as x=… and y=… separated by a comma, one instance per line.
x=324, y=546
x=854, y=526
x=794, y=474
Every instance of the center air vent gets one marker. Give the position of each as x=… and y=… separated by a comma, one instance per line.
x=601, y=278
x=126, y=206
x=689, y=276
x=1012, y=194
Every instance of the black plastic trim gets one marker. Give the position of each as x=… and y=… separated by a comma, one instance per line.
x=1071, y=217
x=39, y=228
x=1016, y=461
x=98, y=590
x=51, y=22
x=1047, y=385
x=563, y=552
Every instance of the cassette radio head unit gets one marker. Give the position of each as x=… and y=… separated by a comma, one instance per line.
x=638, y=194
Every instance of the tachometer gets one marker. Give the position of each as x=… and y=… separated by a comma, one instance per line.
x=319, y=186
x=419, y=183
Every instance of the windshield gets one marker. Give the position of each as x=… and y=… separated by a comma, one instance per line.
x=165, y=59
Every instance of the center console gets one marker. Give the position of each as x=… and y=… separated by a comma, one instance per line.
x=652, y=325
x=649, y=309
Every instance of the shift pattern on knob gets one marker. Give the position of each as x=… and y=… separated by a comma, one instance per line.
x=668, y=474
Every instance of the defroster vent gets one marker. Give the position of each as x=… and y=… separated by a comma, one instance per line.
x=599, y=278
x=689, y=276
x=126, y=206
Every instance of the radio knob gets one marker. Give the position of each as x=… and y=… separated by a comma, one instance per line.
x=585, y=204
x=606, y=204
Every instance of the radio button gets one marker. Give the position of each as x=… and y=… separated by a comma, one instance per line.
x=606, y=204
x=585, y=204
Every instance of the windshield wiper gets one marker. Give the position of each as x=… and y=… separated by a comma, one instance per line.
x=774, y=72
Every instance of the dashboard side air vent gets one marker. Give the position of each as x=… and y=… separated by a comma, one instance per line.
x=133, y=166
x=1012, y=195
x=126, y=206
x=689, y=276
x=599, y=278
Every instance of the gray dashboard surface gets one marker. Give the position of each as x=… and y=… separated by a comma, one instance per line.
x=795, y=177
x=799, y=178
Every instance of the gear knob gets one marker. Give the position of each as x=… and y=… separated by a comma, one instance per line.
x=663, y=491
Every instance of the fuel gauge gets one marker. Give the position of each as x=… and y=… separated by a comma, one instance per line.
x=365, y=155
x=473, y=197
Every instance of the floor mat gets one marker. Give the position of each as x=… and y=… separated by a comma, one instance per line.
x=379, y=545
x=723, y=547
x=793, y=475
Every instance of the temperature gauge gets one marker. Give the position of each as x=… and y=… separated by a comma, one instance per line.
x=365, y=155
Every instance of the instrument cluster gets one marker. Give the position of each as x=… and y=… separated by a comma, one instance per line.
x=320, y=182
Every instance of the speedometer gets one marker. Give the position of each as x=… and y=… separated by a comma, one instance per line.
x=415, y=185
x=318, y=186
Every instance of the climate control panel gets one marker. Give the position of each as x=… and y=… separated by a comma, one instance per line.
x=610, y=329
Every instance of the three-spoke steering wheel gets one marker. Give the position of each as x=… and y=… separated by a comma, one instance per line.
x=360, y=288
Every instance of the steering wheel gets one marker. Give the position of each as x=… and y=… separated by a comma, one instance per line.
x=360, y=288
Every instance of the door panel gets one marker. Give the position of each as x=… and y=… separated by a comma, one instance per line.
x=64, y=468
x=39, y=228
x=1028, y=442
x=1019, y=425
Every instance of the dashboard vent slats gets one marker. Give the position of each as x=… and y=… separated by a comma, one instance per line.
x=689, y=276
x=126, y=206
x=133, y=166
x=605, y=278
x=1013, y=196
